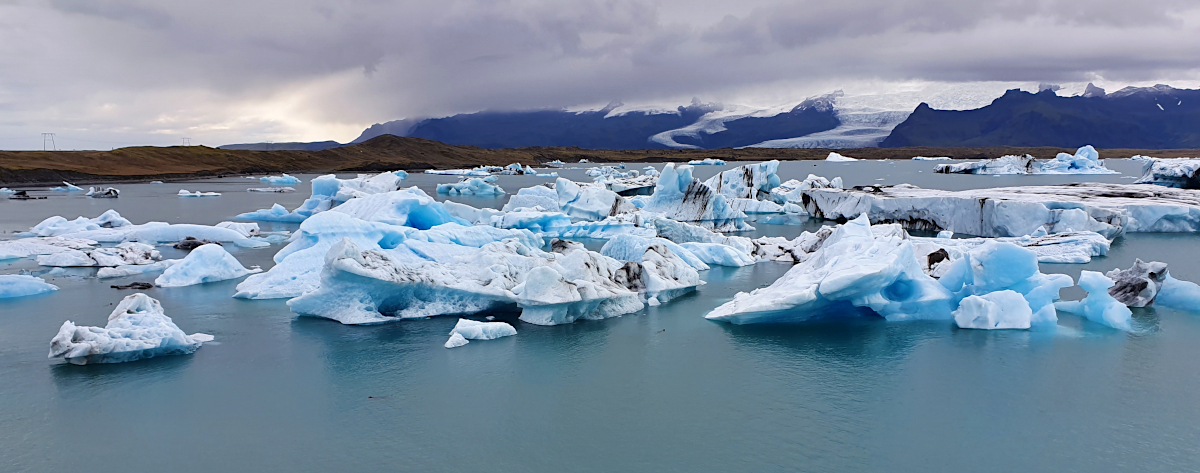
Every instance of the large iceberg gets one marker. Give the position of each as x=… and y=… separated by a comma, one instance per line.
x=1178, y=172
x=1068, y=247
x=136, y=329
x=1099, y=306
x=206, y=263
x=415, y=279
x=750, y=181
x=110, y=227
x=20, y=285
x=859, y=269
x=680, y=197
x=384, y=221
x=1107, y=209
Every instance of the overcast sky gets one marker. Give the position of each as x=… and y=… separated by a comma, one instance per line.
x=110, y=73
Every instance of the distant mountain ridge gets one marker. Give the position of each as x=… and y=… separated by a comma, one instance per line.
x=603, y=129
x=1158, y=117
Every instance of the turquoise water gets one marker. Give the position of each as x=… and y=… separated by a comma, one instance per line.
x=659, y=390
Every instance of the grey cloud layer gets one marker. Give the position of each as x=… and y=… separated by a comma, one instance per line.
x=233, y=70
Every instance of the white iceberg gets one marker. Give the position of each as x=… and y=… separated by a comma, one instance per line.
x=127, y=253
x=135, y=269
x=26, y=247
x=1107, y=209
x=475, y=330
x=931, y=158
x=455, y=341
x=1069, y=247
x=186, y=193
x=1085, y=161
x=284, y=180
x=707, y=161
x=136, y=329
x=1099, y=306
x=58, y=226
x=791, y=191
x=1177, y=294
x=110, y=227
x=103, y=193
x=582, y=202
x=272, y=190
x=837, y=158
x=1178, y=172
x=21, y=285
x=206, y=263
x=997, y=310
x=472, y=186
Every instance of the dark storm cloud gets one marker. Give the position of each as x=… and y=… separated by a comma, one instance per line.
x=234, y=70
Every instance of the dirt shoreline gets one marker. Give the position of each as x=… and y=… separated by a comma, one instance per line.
x=387, y=152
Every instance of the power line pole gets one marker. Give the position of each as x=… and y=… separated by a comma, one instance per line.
x=187, y=141
x=48, y=142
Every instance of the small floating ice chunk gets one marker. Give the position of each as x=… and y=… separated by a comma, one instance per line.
x=20, y=285
x=67, y=187
x=284, y=180
x=103, y=193
x=931, y=158
x=276, y=190
x=996, y=310
x=136, y=329
x=707, y=161
x=475, y=330
x=207, y=263
x=135, y=269
x=837, y=158
x=456, y=340
x=186, y=193
x=1099, y=306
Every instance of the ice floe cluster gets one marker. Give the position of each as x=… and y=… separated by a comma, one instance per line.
x=1085, y=161
x=368, y=251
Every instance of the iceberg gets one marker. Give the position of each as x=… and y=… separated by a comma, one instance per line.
x=21, y=285
x=284, y=180
x=328, y=191
x=1099, y=306
x=790, y=191
x=206, y=263
x=561, y=286
x=474, y=330
x=861, y=270
x=455, y=341
x=680, y=197
x=1085, y=161
x=472, y=186
x=298, y=265
x=837, y=158
x=707, y=161
x=1178, y=172
x=584, y=202
x=1069, y=247
x=1177, y=294
x=136, y=329
x=1107, y=209
x=751, y=181
x=633, y=248
x=135, y=269
x=247, y=229
x=127, y=253
x=58, y=226
x=997, y=310
x=275, y=190
x=186, y=193
x=103, y=193
x=931, y=158
x=67, y=187
x=26, y=247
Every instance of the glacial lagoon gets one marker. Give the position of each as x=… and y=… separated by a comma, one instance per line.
x=659, y=389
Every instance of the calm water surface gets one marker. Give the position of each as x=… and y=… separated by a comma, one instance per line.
x=659, y=390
